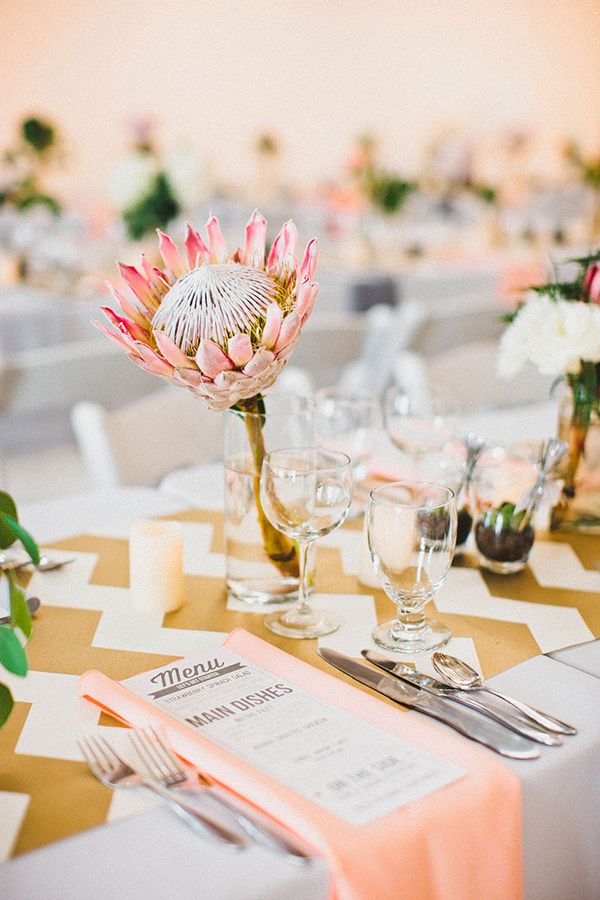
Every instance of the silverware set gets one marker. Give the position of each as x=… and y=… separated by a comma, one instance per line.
x=515, y=732
x=45, y=564
x=183, y=789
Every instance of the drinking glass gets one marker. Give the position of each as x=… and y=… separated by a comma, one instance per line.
x=348, y=422
x=420, y=425
x=412, y=535
x=305, y=493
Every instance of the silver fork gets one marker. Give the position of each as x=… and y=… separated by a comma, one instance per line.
x=109, y=768
x=164, y=766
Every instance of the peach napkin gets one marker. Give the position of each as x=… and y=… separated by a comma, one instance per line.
x=462, y=842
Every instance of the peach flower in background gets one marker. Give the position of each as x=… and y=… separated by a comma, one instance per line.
x=222, y=325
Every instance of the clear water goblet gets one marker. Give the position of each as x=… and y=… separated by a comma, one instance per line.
x=305, y=493
x=411, y=528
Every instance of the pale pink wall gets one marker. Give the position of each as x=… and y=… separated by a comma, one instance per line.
x=216, y=73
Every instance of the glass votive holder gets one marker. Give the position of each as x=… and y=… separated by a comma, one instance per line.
x=503, y=530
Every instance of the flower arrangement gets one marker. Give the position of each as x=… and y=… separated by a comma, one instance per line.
x=221, y=325
x=148, y=186
x=12, y=654
x=384, y=190
x=36, y=147
x=557, y=328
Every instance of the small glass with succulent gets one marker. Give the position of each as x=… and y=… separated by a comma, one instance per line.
x=557, y=328
x=507, y=493
x=503, y=531
x=18, y=628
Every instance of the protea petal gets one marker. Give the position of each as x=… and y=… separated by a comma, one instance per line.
x=261, y=360
x=275, y=253
x=125, y=326
x=122, y=342
x=307, y=296
x=196, y=249
x=289, y=330
x=256, y=235
x=311, y=305
x=216, y=241
x=239, y=349
x=136, y=281
x=211, y=360
x=154, y=363
x=170, y=254
x=140, y=286
x=289, y=260
x=192, y=377
x=157, y=279
x=230, y=379
x=172, y=353
x=309, y=263
x=272, y=327
x=130, y=310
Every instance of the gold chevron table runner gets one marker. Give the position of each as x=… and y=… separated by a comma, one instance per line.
x=86, y=621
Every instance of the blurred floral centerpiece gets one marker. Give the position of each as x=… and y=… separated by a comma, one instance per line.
x=37, y=147
x=149, y=187
x=557, y=328
x=221, y=325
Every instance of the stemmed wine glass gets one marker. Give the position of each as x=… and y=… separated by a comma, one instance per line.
x=412, y=536
x=422, y=425
x=350, y=422
x=305, y=493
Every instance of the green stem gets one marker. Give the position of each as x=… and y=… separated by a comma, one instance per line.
x=584, y=386
x=278, y=547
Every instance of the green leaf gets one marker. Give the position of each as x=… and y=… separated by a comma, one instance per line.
x=6, y=704
x=12, y=655
x=19, y=610
x=24, y=536
x=7, y=505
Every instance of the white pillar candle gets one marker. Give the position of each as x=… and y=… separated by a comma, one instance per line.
x=156, y=566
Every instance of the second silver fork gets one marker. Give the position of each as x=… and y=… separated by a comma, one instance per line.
x=113, y=771
x=164, y=766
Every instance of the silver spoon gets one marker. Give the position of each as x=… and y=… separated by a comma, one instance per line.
x=464, y=678
x=33, y=604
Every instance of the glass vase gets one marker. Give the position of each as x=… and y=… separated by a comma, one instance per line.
x=579, y=506
x=262, y=564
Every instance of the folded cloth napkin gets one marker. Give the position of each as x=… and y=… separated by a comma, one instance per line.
x=462, y=841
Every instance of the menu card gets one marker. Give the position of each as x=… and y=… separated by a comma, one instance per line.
x=355, y=770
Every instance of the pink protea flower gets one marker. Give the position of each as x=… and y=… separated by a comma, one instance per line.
x=222, y=325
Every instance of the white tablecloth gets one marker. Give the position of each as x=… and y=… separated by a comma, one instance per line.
x=561, y=790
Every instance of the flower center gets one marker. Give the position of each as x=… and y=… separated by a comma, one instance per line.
x=214, y=302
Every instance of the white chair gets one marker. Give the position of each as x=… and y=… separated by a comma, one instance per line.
x=142, y=441
x=468, y=372
x=329, y=344
x=170, y=429
x=451, y=322
x=39, y=387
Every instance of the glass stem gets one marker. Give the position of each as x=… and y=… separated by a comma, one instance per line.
x=410, y=621
x=302, y=606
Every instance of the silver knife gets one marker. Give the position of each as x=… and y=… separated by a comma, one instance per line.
x=445, y=692
x=484, y=731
